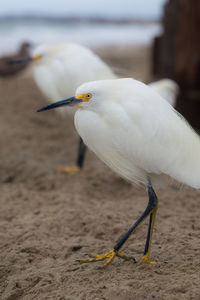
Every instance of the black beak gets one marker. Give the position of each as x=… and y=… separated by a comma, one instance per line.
x=72, y=101
x=20, y=60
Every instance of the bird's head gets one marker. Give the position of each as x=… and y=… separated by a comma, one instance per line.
x=41, y=54
x=91, y=95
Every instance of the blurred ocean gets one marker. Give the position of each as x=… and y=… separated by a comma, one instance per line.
x=13, y=32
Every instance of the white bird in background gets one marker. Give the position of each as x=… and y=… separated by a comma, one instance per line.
x=140, y=136
x=166, y=88
x=59, y=69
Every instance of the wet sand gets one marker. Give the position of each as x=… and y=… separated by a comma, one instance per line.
x=49, y=220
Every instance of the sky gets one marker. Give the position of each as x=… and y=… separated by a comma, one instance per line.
x=108, y=8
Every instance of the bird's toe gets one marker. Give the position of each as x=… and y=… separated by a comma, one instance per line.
x=146, y=260
x=109, y=256
x=68, y=170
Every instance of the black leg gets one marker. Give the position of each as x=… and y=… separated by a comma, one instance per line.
x=152, y=204
x=152, y=196
x=150, y=210
x=81, y=153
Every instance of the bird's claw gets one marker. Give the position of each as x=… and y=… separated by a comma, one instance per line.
x=146, y=260
x=110, y=256
x=68, y=170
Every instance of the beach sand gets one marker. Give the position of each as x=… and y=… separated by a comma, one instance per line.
x=49, y=220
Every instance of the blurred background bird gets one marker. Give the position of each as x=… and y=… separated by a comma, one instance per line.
x=58, y=70
x=167, y=88
x=139, y=135
x=7, y=69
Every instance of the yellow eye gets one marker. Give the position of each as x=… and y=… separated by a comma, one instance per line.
x=89, y=95
x=84, y=97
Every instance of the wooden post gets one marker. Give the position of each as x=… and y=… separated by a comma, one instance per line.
x=177, y=55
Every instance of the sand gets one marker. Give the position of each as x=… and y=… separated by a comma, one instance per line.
x=49, y=220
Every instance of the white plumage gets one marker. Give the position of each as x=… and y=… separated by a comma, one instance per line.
x=166, y=88
x=59, y=70
x=62, y=68
x=137, y=133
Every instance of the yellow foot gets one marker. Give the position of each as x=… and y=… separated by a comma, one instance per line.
x=110, y=255
x=69, y=170
x=146, y=260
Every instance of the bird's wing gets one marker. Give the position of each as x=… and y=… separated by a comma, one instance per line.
x=46, y=80
x=158, y=140
x=146, y=130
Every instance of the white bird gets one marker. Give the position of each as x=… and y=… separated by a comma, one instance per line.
x=140, y=136
x=166, y=88
x=59, y=69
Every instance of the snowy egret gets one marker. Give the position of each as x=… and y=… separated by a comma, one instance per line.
x=138, y=134
x=59, y=69
x=167, y=88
